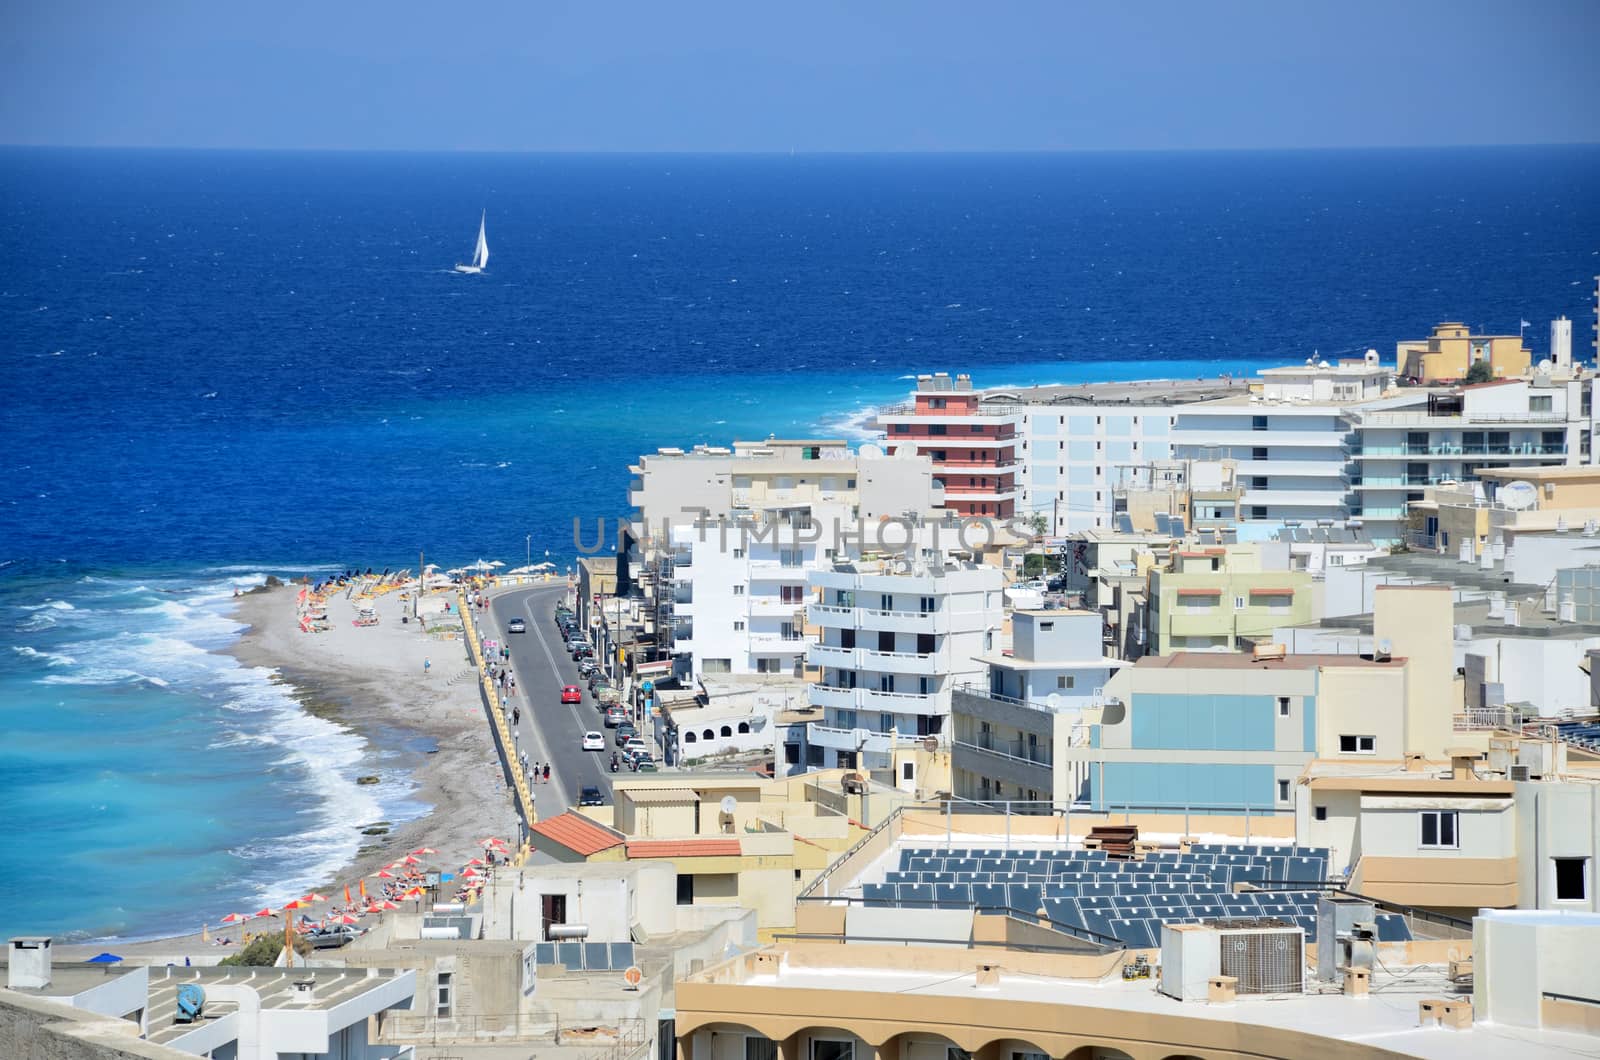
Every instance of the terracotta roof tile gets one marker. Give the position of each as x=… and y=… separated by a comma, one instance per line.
x=683, y=848
x=577, y=833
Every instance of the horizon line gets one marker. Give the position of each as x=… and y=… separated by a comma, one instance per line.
x=796, y=152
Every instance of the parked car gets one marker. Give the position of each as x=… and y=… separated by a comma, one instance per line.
x=590, y=796
x=615, y=716
x=635, y=747
x=625, y=732
x=572, y=694
x=588, y=668
x=593, y=741
x=331, y=938
x=516, y=625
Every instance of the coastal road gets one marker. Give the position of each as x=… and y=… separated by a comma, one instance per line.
x=551, y=731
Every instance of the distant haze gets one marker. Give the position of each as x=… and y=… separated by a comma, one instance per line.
x=826, y=75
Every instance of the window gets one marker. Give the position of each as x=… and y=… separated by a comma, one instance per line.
x=443, y=984
x=727, y=731
x=908, y=770
x=1258, y=453
x=937, y=428
x=1572, y=879
x=885, y=721
x=738, y=624
x=1439, y=829
x=758, y=1048
x=685, y=889
x=738, y=553
x=738, y=590
x=936, y=403
x=1540, y=403
x=1258, y=511
x=1357, y=745
x=1320, y=813
x=791, y=557
x=716, y=666
x=791, y=754
x=1283, y=791
x=902, y=428
x=792, y=594
x=1066, y=681
x=1283, y=706
x=885, y=641
x=769, y=666
x=1045, y=627
x=1238, y=603
x=744, y=728
x=1258, y=423
x=689, y=737
x=708, y=735
x=927, y=604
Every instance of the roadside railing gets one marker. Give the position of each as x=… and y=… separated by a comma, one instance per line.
x=497, y=716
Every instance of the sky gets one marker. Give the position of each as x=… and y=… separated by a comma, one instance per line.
x=819, y=75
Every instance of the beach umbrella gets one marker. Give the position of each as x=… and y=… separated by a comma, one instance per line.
x=475, y=861
x=496, y=565
x=313, y=897
x=363, y=889
x=384, y=874
x=298, y=903
x=104, y=958
x=347, y=919
x=492, y=841
x=412, y=859
x=386, y=904
x=235, y=918
x=264, y=912
x=469, y=874
x=347, y=894
x=424, y=850
x=415, y=892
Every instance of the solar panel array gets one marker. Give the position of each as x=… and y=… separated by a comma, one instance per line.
x=1125, y=900
x=1582, y=733
x=586, y=956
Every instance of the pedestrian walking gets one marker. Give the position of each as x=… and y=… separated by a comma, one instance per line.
x=516, y=715
x=547, y=772
x=427, y=665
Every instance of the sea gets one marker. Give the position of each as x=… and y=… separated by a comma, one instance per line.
x=216, y=366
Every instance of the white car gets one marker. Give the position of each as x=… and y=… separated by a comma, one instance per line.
x=593, y=741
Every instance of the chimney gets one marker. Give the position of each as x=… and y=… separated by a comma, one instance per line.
x=305, y=991
x=1415, y=761
x=1561, y=343
x=1463, y=763
x=30, y=963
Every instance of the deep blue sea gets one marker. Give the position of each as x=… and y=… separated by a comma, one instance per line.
x=218, y=365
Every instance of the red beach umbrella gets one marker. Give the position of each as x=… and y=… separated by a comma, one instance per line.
x=265, y=912
x=412, y=859
x=313, y=897
x=347, y=919
x=384, y=874
x=475, y=861
x=424, y=850
x=236, y=918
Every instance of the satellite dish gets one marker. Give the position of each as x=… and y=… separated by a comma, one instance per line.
x=930, y=743
x=1517, y=496
x=869, y=450
x=632, y=977
x=729, y=804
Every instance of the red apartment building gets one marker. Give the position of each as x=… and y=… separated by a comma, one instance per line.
x=974, y=451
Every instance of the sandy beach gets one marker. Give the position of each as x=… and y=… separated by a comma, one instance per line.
x=428, y=724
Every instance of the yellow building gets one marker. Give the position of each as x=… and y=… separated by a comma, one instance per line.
x=732, y=838
x=1452, y=349
x=1563, y=497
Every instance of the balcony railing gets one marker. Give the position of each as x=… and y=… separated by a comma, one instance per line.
x=1013, y=750
x=1094, y=699
x=1458, y=449
x=1482, y=718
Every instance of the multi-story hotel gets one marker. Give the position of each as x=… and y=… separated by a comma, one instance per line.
x=974, y=449
x=893, y=645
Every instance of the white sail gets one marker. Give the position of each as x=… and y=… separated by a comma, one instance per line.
x=480, y=253
x=480, y=256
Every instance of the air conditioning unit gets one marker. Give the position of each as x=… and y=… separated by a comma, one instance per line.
x=1521, y=772
x=1265, y=956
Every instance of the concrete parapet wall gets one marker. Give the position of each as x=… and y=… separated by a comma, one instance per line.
x=49, y=1030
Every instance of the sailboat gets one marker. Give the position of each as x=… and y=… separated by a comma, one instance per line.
x=480, y=253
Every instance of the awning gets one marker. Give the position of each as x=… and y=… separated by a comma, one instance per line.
x=1199, y=592
x=1265, y=591
x=661, y=666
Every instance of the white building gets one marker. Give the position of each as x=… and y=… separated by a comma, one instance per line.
x=1071, y=455
x=893, y=647
x=1008, y=730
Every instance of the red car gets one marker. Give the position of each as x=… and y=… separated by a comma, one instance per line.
x=572, y=694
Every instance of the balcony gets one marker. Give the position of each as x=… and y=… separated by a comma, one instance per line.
x=1204, y=434
x=1456, y=450
x=1295, y=498
x=777, y=644
x=1486, y=719
x=864, y=740
x=980, y=465
x=775, y=607
x=897, y=662
x=903, y=621
x=833, y=615
x=1018, y=750
x=830, y=655
x=770, y=570
x=842, y=698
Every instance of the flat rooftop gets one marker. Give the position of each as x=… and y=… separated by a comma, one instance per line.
x=1134, y=393
x=1204, y=660
x=1386, y=1019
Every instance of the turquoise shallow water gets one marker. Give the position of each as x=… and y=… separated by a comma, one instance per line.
x=220, y=365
